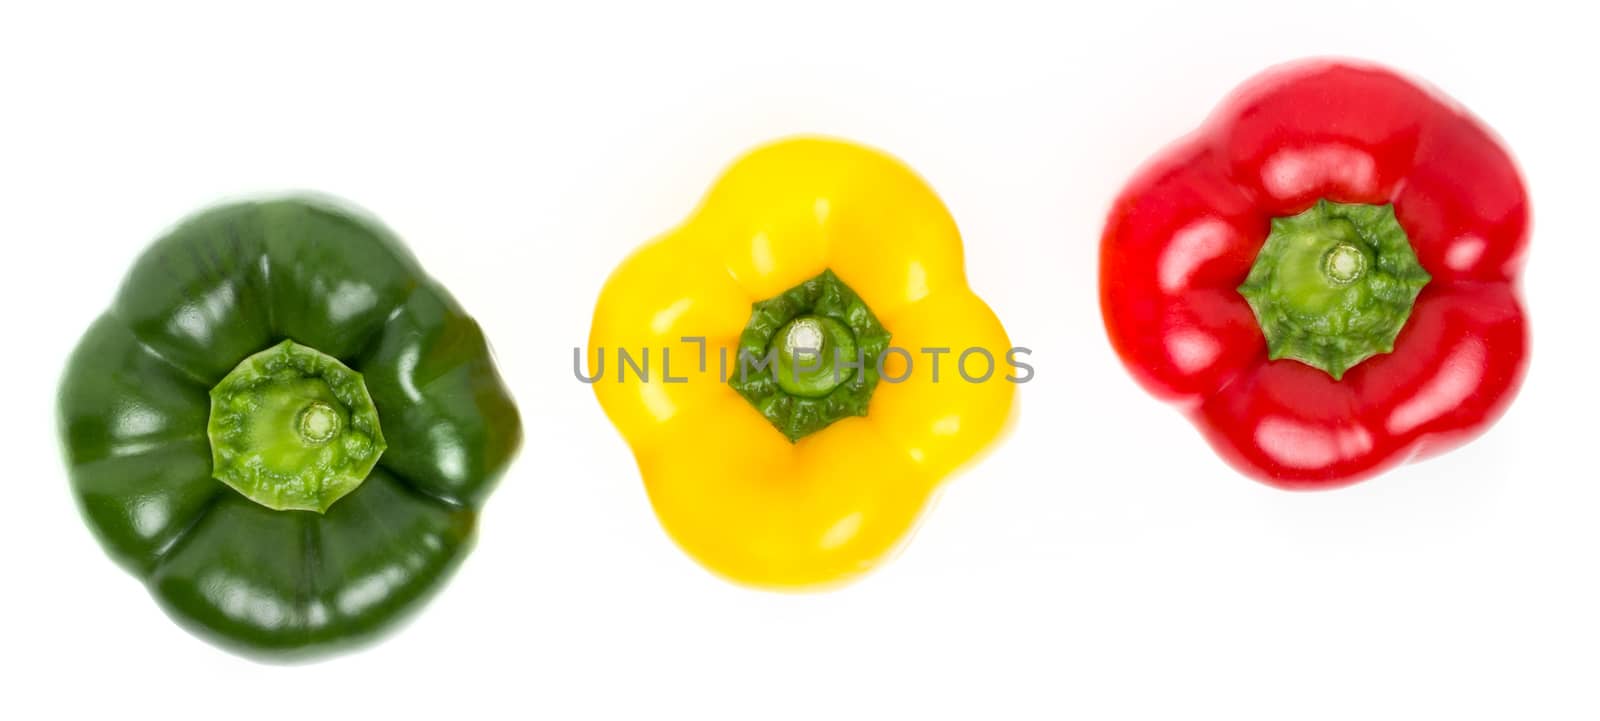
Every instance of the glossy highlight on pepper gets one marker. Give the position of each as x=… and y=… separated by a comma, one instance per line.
x=811, y=482
x=1324, y=276
x=284, y=427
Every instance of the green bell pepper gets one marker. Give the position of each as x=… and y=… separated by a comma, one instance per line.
x=284, y=427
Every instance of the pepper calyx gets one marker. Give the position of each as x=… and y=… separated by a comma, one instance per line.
x=808, y=357
x=1334, y=285
x=292, y=428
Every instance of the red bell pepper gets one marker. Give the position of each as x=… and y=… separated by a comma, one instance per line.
x=1324, y=276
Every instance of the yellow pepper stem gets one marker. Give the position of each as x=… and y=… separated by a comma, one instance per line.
x=814, y=355
x=809, y=356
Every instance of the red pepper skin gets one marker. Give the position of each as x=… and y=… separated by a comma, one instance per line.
x=1183, y=234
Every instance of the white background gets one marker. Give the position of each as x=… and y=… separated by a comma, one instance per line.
x=1100, y=564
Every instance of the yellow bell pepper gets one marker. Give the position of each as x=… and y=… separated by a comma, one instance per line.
x=777, y=496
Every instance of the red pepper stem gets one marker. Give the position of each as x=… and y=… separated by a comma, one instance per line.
x=1344, y=264
x=1334, y=285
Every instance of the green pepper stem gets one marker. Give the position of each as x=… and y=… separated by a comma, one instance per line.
x=319, y=423
x=293, y=429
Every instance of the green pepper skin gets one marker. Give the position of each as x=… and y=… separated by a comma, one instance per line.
x=133, y=410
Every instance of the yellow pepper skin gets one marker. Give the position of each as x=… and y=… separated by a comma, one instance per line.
x=728, y=487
